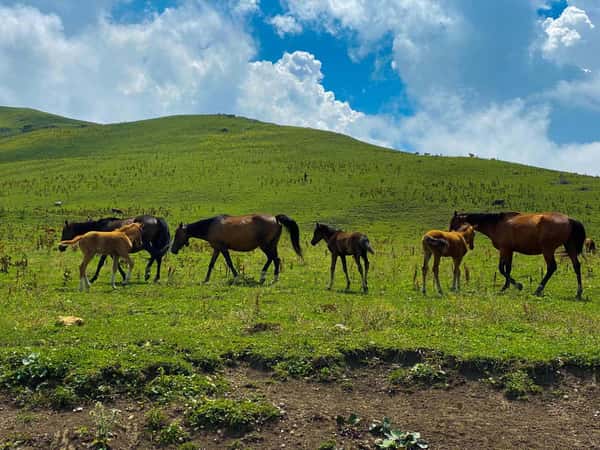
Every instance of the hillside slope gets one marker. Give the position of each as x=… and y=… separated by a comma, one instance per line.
x=193, y=166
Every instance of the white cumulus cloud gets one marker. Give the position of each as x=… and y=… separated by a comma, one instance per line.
x=285, y=24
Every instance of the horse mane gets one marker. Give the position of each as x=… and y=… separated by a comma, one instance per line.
x=329, y=230
x=201, y=227
x=486, y=218
x=91, y=225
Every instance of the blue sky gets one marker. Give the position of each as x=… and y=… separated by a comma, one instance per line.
x=517, y=80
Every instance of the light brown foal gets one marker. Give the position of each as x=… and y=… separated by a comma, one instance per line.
x=454, y=244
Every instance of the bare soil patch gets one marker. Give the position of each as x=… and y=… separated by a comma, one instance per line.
x=468, y=414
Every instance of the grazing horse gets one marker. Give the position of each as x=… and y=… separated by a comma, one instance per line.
x=530, y=234
x=454, y=244
x=341, y=244
x=117, y=244
x=590, y=246
x=242, y=234
x=155, y=238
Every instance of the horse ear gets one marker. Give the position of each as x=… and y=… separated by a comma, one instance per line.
x=455, y=213
x=318, y=224
x=180, y=224
x=66, y=223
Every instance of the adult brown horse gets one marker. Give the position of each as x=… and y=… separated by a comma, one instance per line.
x=530, y=234
x=340, y=244
x=454, y=244
x=242, y=234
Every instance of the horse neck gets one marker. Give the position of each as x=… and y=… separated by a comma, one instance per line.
x=329, y=232
x=199, y=229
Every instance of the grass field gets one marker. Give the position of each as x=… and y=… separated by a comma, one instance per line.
x=190, y=167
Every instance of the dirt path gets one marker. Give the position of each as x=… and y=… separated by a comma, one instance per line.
x=468, y=415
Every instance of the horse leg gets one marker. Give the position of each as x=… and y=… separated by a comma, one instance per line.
x=550, y=269
x=333, y=261
x=436, y=272
x=229, y=263
x=100, y=264
x=211, y=264
x=114, y=271
x=426, y=258
x=129, y=262
x=276, y=262
x=263, y=274
x=345, y=267
x=577, y=269
x=158, y=264
x=507, y=270
x=366, y=259
x=148, y=266
x=456, y=274
x=83, y=281
x=360, y=270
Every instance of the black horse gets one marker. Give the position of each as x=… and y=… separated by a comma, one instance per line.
x=155, y=238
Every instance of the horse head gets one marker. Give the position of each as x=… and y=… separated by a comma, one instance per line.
x=181, y=238
x=458, y=220
x=318, y=234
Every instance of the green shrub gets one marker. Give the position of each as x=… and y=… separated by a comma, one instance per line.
x=518, y=384
x=172, y=434
x=236, y=416
x=424, y=374
x=166, y=388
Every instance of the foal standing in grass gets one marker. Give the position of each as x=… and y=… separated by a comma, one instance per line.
x=455, y=244
x=341, y=244
x=117, y=244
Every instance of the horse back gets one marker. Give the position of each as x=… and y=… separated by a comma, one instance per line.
x=243, y=233
x=347, y=243
x=534, y=233
x=456, y=244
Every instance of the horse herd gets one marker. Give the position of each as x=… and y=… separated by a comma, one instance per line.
x=530, y=234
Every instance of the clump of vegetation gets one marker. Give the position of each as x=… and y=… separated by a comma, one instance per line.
x=165, y=388
x=390, y=438
x=155, y=419
x=423, y=374
x=327, y=445
x=105, y=420
x=236, y=416
x=171, y=434
x=518, y=385
x=62, y=398
x=294, y=368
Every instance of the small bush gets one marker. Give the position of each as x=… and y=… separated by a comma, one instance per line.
x=155, y=419
x=518, y=384
x=235, y=416
x=172, y=434
x=327, y=445
x=166, y=388
x=295, y=368
x=62, y=398
x=421, y=373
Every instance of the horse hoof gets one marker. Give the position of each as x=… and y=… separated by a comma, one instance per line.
x=519, y=286
x=147, y=277
x=538, y=292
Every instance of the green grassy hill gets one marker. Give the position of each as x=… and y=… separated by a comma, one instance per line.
x=190, y=167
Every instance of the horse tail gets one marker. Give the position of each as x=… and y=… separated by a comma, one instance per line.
x=367, y=245
x=73, y=241
x=438, y=243
x=293, y=229
x=164, y=239
x=577, y=236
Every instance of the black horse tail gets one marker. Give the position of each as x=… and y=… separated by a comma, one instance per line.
x=577, y=236
x=367, y=245
x=293, y=229
x=163, y=240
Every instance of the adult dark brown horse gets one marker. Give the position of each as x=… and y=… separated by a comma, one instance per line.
x=340, y=244
x=530, y=234
x=155, y=238
x=242, y=234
